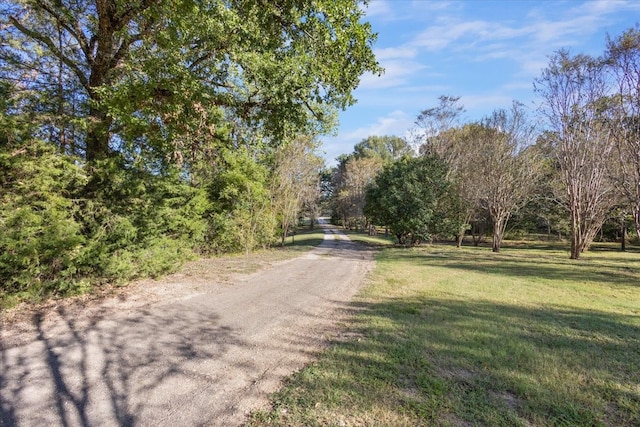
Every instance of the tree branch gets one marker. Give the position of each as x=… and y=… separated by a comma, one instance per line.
x=120, y=20
x=75, y=31
x=54, y=50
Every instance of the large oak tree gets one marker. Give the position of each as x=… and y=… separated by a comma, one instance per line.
x=140, y=73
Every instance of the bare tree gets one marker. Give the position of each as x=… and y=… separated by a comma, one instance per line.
x=507, y=166
x=359, y=174
x=623, y=56
x=573, y=89
x=296, y=181
x=438, y=133
x=432, y=125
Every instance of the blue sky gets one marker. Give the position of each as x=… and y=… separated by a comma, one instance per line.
x=486, y=52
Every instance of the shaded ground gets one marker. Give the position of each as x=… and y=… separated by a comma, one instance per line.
x=191, y=349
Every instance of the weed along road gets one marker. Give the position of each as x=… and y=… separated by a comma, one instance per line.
x=181, y=351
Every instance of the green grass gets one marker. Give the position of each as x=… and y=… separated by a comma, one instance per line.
x=303, y=240
x=378, y=240
x=461, y=337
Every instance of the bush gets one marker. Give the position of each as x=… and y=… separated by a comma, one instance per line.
x=61, y=232
x=407, y=197
x=40, y=239
x=241, y=218
x=140, y=224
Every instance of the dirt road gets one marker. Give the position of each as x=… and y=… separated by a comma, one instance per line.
x=197, y=352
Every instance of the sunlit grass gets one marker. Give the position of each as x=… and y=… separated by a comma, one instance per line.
x=378, y=240
x=446, y=336
x=303, y=239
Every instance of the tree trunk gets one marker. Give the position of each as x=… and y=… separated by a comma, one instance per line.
x=636, y=219
x=101, y=64
x=623, y=234
x=575, y=248
x=97, y=135
x=460, y=235
x=476, y=234
x=582, y=234
x=498, y=230
x=576, y=234
x=284, y=236
x=575, y=240
x=578, y=242
x=500, y=221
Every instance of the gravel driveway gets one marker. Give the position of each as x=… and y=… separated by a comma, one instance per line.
x=184, y=352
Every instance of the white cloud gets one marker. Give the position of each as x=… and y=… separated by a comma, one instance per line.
x=434, y=5
x=527, y=42
x=395, y=123
x=599, y=7
x=396, y=73
x=402, y=52
x=425, y=88
x=540, y=31
x=334, y=147
x=388, y=10
x=434, y=40
x=485, y=103
x=439, y=37
x=378, y=8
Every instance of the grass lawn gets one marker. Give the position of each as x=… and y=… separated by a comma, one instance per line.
x=378, y=240
x=303, y=239
x=462, y=337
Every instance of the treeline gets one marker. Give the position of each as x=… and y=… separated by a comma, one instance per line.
x=134, y=135
x=569, y=167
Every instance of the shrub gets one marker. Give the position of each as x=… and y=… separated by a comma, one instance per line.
x=40, y=239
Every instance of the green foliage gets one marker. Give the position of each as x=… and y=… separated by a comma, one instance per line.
x=295, y=182
x=40, y=239
x=407, y=197
x=451, y=214
x=388, y=148
x=283, y=68
x=139, y=166
x=61, y=230
x=241, y=216
x=140, y=224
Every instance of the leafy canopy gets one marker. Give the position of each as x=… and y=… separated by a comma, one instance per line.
x=407, y=195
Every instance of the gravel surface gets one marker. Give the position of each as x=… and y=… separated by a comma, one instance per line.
x=183, y=351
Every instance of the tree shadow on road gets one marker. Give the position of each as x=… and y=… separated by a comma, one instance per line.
x=101, y=371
